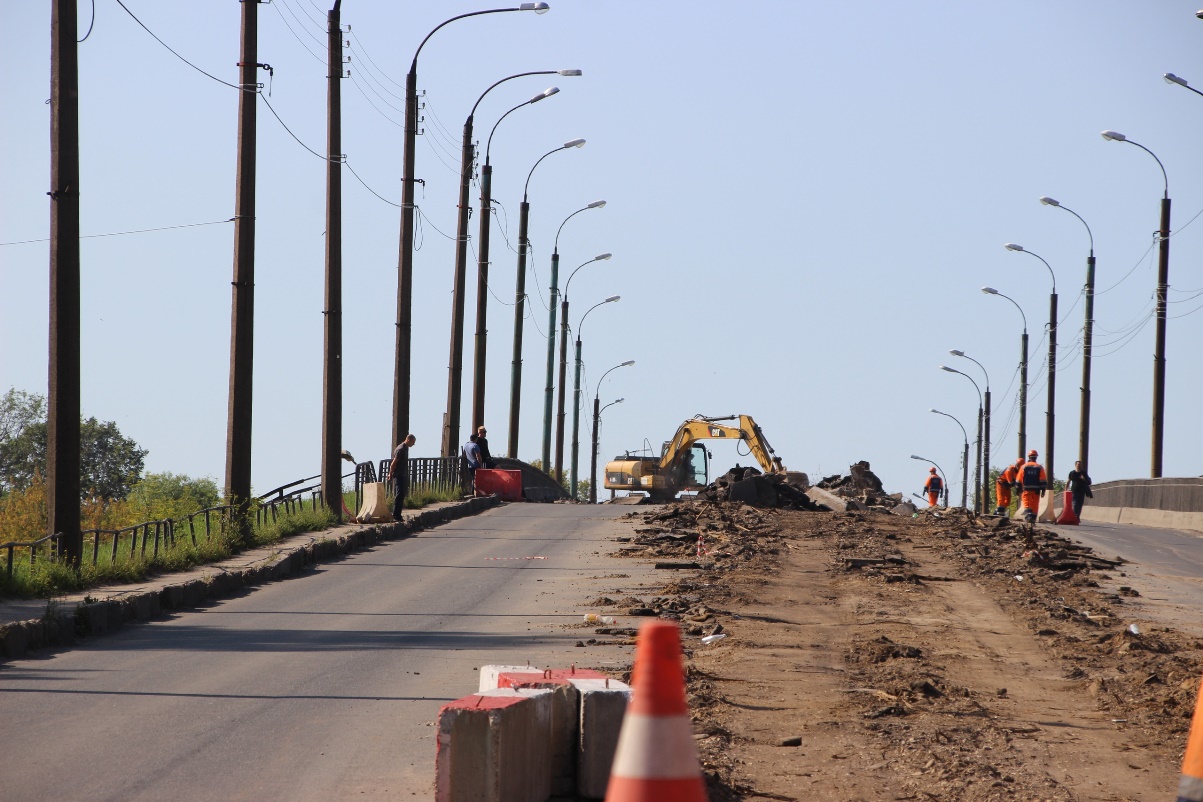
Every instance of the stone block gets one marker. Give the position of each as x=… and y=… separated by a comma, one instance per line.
x=603, y=703
x=494, y=747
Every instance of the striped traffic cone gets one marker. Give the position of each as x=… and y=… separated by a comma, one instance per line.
x=656, y=759
x=1190, y=787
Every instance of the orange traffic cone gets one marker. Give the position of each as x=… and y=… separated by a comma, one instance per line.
x=656, y=759
x=1190, y=787
x=1067, y=510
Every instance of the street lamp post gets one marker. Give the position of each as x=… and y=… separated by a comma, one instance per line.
x=1050, y=415
x=978, y=502
x=454, y=382
x=564, y=367
x=576, y=392
x=964, y=461
x=985, y=433
x=520, y=302
x=1023, y=373
x=942, y=476
x=401, y=374
x=451, y=418
x=1163, y=278
x=482, y=270
x=596, y=418
x=551, y=339
x=1087, y=332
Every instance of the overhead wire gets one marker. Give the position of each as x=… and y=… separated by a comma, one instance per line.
x=181, y=58
x=276, y=5
x=121, y=233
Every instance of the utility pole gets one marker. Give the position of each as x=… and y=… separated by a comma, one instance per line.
x=332, y=378
x=1163, y=280
x=62, y=435
x=519, y=316
x=451, y=418
x=242, y=316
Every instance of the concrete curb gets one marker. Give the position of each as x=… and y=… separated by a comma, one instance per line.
x=59, y=628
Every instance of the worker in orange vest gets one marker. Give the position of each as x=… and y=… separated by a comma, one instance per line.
x=1008, y=479
x=933, y=487
x=1034, y=482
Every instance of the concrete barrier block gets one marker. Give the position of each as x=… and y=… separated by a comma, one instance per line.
x=564, y=726
x=14, y=640
x=603, y=705
x=494, y=747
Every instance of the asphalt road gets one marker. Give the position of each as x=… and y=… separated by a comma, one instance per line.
x=320, y=687
x=1166, y=568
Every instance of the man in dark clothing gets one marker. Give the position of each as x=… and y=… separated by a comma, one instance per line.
x=398, y=474
x=1078, y=484
x=472, y=458
x=486, y=459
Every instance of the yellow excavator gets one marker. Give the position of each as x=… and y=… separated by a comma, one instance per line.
x=682, y=464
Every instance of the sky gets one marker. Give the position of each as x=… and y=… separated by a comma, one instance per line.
x=803, y=202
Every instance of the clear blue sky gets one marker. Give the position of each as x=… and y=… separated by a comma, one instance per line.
x=804, y=199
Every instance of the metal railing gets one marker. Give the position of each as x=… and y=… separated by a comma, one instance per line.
x=423, y=472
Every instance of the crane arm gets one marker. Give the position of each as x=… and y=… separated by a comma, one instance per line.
x=703, y=428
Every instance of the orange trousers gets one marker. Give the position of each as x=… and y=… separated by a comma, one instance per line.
x=933, y=499
x=1031, y=500
x=1003, y=491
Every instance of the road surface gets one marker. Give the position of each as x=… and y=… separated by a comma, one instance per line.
x=1166, y=568
x=320, y=687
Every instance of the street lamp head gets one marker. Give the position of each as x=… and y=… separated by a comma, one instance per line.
x=627, y=364
x=955, y=352
x=575, y=143
x=1199, y=14
x=1170, y=78
x=538, y=8
x=612, y=299
x=938, y=412
x=1047, y=201
x=1114, y=135
x=548, y=92
x=918, y=458
x=602, y=257
x=989, y=290
x=597, y=204
x=569, y=73
x=950, y=370
x=1011, y=246
x=618, y=400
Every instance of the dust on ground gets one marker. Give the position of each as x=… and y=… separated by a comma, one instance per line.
x=933, y=656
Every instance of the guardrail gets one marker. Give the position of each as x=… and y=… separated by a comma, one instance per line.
x=423, y=472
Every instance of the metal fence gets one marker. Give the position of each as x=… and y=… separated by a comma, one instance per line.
x=289, y=498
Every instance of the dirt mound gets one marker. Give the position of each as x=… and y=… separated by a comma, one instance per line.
x=750, y=486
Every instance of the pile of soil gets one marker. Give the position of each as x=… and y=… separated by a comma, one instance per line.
x=939, y=656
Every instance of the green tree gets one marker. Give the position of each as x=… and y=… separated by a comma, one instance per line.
x=170, y=495
x=110, y=463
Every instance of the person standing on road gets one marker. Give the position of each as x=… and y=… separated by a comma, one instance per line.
x=398, y=474
x=1008, y=479
x=1034, y=481
x=486, y=458
x=1078, y=484
x=933, y=488
x=472, y=456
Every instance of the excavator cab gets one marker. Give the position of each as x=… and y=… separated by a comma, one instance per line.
x=695, y=468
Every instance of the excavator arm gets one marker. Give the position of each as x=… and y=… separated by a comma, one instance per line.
x=703, y=428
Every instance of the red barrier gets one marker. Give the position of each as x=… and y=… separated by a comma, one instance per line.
x=506, y=484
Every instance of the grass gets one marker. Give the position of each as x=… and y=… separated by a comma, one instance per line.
x=134, y=562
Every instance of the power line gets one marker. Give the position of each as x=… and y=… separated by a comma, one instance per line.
x=181, y=58
x=120, y=233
